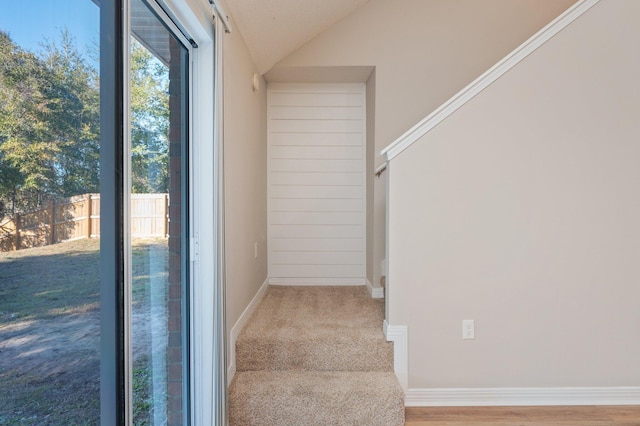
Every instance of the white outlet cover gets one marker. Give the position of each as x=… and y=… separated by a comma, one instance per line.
x=468, y=329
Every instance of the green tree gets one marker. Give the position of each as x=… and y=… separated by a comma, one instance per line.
x=26, y=150
x=50, y=117
x=49, y=121
x=74, y=116
x=149, y=122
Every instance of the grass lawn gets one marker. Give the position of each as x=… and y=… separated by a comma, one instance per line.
x=46, y=282
x=49, y=332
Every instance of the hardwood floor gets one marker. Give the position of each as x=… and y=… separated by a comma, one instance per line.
x=524, y=416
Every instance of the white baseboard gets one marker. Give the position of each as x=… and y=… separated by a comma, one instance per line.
x=239, y=325
x=398, y=335
x=459, y=397
x=375, y=292
x=466, y=397
x=317, y=281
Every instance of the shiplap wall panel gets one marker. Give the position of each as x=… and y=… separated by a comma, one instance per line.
x=311, y=218
x=317, y=152
x=317, y=231
x=329, y=272
x=315, y=205
x=284, y=97
x=343, y=127
x=316, y=244
x=316, y=113
x=317, y=192
x=313, y=165
x=314, y=257
x=315, y=139
x=316, y=181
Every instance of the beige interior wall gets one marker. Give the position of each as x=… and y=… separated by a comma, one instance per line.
x=424, y=51
x=245, y=154
x=520, y=211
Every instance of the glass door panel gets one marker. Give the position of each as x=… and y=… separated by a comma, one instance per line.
x=49, y=213
x=158, y=77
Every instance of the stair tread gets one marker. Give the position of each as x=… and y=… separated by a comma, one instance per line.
x=315, y=356
x=315, y=328
x=315, y=312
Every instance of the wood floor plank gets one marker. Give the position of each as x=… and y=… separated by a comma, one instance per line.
x=524, y=416
x=629, y=413
x=519, y=423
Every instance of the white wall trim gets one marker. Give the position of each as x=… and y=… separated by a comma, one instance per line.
x=491, y=75
x=522, y=396
x=398, y=335
x=375, y=292
x=206, y=205
x=317, y=281
x=239, y=325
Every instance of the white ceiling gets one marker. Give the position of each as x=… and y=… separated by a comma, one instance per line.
x=272, y=29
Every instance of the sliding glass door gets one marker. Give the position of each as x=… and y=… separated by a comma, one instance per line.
x=158, y=287
x=96, y=217
x=49, y=213
x=145, y=269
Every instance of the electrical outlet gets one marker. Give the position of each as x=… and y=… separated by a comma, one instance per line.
x=468, y=329
x=255, y=250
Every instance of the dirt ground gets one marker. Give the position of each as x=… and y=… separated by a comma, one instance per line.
x=52, y=368
x=50, y=360
x=63, y=352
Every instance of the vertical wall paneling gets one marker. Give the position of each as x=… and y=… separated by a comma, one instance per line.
x=316, y=183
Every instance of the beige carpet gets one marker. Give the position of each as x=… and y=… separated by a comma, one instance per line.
x=315, y=356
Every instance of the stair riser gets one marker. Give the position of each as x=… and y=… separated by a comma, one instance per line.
x=391, y=412
x=261, y=399
x=329, y=356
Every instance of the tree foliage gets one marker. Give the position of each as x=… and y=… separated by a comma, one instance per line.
x=50, y=117
x=49, y=124
x=149, y=122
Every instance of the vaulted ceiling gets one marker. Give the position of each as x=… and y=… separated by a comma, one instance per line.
x=272, y=29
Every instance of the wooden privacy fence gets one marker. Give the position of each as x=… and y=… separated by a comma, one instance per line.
x=79, y=217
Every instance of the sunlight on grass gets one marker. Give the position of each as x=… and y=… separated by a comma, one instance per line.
x=49, y=331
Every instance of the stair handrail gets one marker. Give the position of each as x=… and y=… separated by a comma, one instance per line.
x=487, y=78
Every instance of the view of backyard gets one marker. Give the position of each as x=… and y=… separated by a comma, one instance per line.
x=52, y=211
x=50, y=332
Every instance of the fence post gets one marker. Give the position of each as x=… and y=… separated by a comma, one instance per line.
x=88, y=198
x=16, y=221
x=52, y=222
x=165, y=219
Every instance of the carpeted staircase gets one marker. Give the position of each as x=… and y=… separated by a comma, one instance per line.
x=315, y=356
